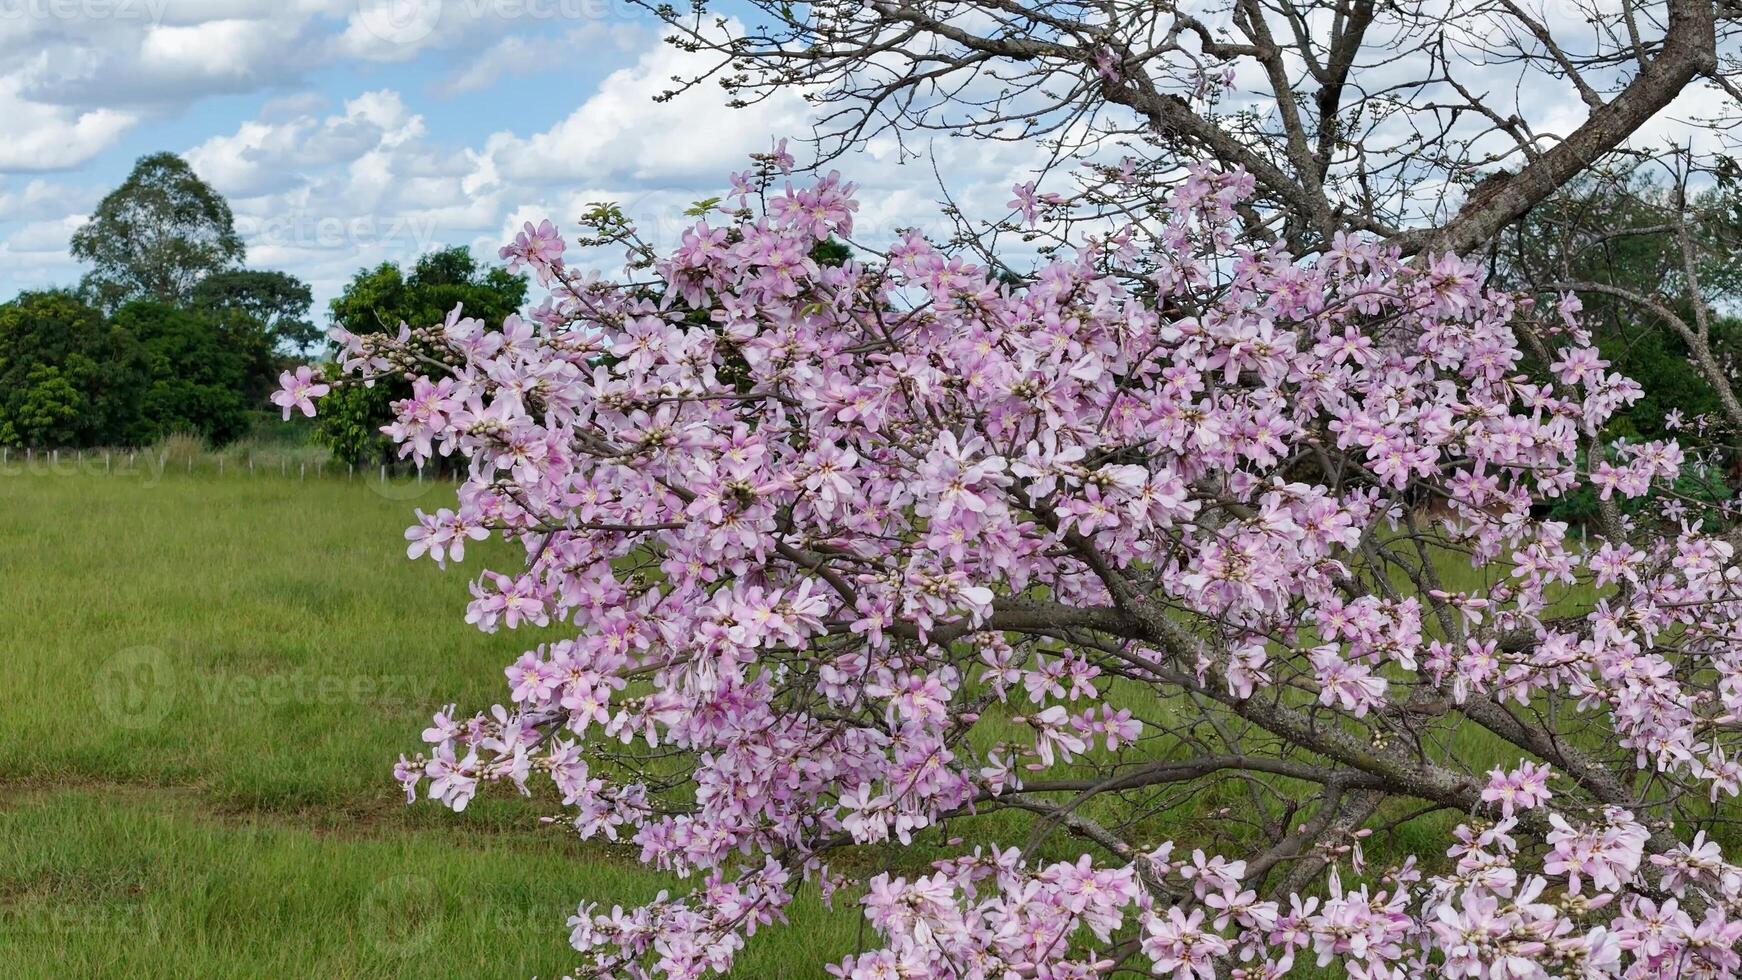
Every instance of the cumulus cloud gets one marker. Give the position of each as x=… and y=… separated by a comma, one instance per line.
x=275, y=152
x=621, y=132
x=216, y=49
x=322, y=195
x=34, y=253
x=398, y=31
x=42, y=137
x=48, y=237
x=37, y=199
x=391, y=30
x=161, y=64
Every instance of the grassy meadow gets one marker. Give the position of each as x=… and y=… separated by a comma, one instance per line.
x=207, y=678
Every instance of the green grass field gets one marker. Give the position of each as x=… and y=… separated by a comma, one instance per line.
x=207, y=679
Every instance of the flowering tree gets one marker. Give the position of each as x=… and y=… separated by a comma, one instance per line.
x=886, y=554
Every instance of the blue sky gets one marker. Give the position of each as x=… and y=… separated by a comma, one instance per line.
x=346, y=132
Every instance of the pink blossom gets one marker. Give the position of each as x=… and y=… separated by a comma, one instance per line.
x=539, y=247
x=298, y=390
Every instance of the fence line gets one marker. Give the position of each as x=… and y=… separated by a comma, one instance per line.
x=251, y=463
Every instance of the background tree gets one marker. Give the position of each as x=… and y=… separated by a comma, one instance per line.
x=264, y=314
x=378, y=300
x=196, y=371
x=67, y=376
x=1654, y=265
x=156, y=236
x=208, y=338
x=278, y=301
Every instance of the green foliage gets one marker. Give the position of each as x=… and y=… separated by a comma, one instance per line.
x=351, y=417
x=48, y=408
x=382, y=298
x=70, y=377
x=253, y=342
x=831, y=254
x=67, y=377
x=277, y=301
x=198, y=371
x=156, y=236
x=379, y=300
x=1658, y=359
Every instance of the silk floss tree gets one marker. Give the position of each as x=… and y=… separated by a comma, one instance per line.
x=1099, y=607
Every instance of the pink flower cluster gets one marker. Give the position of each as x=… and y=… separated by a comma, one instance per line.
x=852, y=555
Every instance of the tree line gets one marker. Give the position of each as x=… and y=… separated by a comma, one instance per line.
x=168, y=331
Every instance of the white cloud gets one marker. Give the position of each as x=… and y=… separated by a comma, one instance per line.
x=48, y=237
x=273, y=154
x=39, y=199
x=161, y=63
x=397, y=31
x=322, y=195
x=214, y=49
x=621, y=132
x=391, y=30
x=40, y=137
